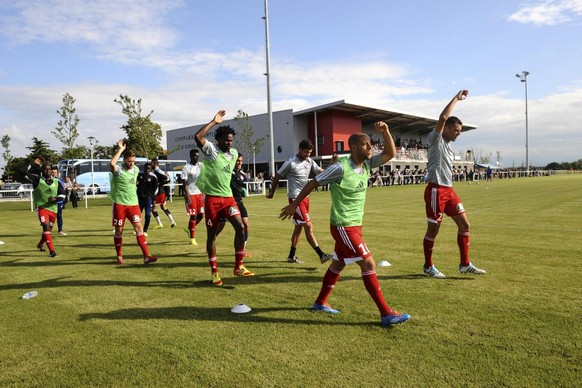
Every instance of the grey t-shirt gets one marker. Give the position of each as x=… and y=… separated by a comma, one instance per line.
x=297, y=173
x=440, y=160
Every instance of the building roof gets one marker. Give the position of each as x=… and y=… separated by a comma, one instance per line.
x=396, y=121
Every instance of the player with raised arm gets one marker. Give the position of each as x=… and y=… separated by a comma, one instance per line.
x=214, y=182
x=123, y=180
x=297, y=170
x=439, y=196
x=47, y=191
x=348, y=179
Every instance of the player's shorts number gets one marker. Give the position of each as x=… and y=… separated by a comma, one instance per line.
x=117, y=222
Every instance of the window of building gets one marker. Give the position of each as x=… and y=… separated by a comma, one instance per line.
x=339, y=146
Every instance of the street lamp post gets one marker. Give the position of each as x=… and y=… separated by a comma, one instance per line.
x=254, y=165
x=92, y=140
x=523, y=78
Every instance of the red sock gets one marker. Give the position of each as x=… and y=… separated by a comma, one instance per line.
x=463, y=243
x=238, y=258
x=49, y=241
x=213, y=264
x=143, y=244
x=117, y=241
x=371, y=282
x=192, y=227
x=42, y=240
x=428, y=244
x=329, y=281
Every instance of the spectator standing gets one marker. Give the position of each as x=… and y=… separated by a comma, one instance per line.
x=439, y=196
x=75, y=196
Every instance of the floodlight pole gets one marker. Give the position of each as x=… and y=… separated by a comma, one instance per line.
x=91, y=141
x=254, y=165
x=523, y=78
x=268, y=74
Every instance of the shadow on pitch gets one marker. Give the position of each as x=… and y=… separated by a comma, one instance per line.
x=190, y=313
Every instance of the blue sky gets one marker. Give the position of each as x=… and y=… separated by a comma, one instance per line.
x=187, y=59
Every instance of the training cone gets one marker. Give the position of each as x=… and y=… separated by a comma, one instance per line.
x=240, y=309
x=384, y=263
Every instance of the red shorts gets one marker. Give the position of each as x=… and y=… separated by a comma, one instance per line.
x=160, y=198
x=349, y=244
x=301, y=215
x=441, y=200
x=121, y=212
x=46, y=216
x=217, y=208
x=196, y=205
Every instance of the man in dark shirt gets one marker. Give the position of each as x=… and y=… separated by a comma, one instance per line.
x=147, y=184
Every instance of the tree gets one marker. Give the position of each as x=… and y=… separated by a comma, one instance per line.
x=40, y=148
x=498, y=157
x=6, y=145
x=66, y=130
x=480, y=156
x=143, y=135
x=103, y=152
x=244, y=138
x=12, y=170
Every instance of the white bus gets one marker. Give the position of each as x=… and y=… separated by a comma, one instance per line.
x=79, y=170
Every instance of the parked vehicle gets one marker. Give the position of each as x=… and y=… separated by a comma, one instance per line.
x=16, y=190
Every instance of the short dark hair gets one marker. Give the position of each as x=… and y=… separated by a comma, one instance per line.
x=306, y=144
x=194, y=151
x=128, y=154
x=453, y=120
x=147, y=165
x=354, y=137
x=223, y=130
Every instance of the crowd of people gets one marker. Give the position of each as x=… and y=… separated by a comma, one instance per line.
x=213, y=184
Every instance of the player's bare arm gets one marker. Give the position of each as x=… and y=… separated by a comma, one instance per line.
x=274, y=184
x=389, y=148
x=289, y=210
x=446, y=113
x=202, y=132
x=121, y=145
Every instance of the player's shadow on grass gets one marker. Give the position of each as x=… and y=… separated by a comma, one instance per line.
x=63, y=282
x=257, y=315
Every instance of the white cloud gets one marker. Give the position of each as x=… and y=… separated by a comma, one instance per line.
x=548, y=12
x=113, y=27
x=31, y=111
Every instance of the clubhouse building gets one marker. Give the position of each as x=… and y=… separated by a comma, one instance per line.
x=328, y=126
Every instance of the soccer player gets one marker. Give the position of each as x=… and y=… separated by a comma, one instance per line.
x=193, y=197
x=219, y=203
x=163, y=192
x=60, y=201
x=123, y=181
x=46, y=194
x=439, y=196
x=297, y=170
x=348, y=179
x=147, y=185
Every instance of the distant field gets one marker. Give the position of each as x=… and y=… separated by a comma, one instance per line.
x=95, y=323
